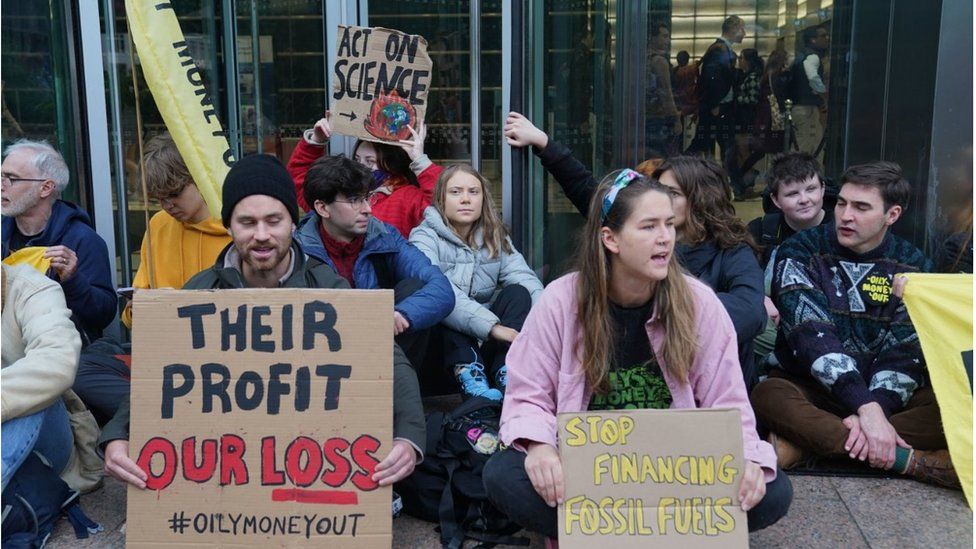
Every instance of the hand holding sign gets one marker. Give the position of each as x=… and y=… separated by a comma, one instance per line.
x=322, y=130
x=119, y=465
x=546, y=472
x=753, y=486
x=396, y=466
x=415, y=147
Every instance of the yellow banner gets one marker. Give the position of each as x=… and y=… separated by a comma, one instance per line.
x=183, y=101
x=941, y=308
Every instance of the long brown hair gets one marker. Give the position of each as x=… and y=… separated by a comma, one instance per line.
x=710, y=214
x=490, y=223
x=673, y=300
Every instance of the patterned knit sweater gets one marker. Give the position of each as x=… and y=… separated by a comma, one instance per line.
x=840, y=322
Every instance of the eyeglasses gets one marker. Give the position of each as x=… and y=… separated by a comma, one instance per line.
x=169, y=197
x=357, y=202
x=7, y=180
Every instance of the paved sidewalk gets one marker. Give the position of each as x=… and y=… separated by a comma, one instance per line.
x=826, y=512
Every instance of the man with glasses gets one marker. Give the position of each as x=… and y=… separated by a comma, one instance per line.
x=33, y=177
x=370, y=254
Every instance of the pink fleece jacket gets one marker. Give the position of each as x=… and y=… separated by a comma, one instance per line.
x=545, y=375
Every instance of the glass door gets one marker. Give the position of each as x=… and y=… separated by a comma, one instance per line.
x=575, y=105
x=278, y=73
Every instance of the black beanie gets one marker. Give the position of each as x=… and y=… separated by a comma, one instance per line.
x=258, y=174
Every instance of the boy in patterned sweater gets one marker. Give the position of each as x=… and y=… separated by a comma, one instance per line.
x=850, y=379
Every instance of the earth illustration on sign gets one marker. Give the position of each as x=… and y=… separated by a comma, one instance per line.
x=389, y=117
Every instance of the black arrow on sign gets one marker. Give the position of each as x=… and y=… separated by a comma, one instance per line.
x=351, y=116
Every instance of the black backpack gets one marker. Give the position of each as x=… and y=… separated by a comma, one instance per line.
x=446, y=488
x=34, y=500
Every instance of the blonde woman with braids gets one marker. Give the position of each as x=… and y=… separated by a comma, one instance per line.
x=494, y=288
x=629, y=317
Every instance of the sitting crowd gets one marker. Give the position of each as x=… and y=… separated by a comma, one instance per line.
x=670, y=287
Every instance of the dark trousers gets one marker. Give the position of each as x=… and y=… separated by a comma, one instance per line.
x=721, y=128
x=511, y=306
x=102, y=379
x=510, y=490
x=803, y=412
x=413, y=342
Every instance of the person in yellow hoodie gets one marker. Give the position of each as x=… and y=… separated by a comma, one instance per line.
x=182, y=240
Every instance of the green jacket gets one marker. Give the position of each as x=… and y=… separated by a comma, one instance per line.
x=408, y=411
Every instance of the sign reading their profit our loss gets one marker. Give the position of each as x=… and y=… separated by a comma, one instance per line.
x=667, y=478
x=260, y=416
x=382, y=77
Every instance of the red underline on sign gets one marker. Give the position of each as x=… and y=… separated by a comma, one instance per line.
x=334, y=497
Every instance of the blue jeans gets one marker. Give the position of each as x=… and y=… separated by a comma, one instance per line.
x=47, y=432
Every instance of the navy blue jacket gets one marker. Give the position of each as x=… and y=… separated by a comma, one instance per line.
x=89, y=293
x=717, y=75
x=427, y=306
x=735, y=276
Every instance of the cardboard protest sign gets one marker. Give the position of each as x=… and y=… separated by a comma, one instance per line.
x=259, y=416
x=382, y=77
x=635, y=478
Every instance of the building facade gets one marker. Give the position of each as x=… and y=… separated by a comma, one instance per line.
x=898, y=75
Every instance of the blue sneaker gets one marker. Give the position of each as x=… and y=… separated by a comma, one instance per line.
x=474, y=382
x=501, y=378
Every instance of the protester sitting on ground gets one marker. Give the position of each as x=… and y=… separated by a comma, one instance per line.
x=260, y=211
x=795, y=185
x=713, y=244
x=494, y=288
x=403, y=177
x=40, y=356
x=34, y=176
x=629, y=312
x=369, y=254
x=184, y=239
x=850, y=379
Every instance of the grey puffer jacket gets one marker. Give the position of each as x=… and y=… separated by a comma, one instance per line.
x=476, y=278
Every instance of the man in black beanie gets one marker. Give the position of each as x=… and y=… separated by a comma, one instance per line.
x=260, y=211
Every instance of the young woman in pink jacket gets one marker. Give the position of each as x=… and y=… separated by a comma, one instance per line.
x=628, y=315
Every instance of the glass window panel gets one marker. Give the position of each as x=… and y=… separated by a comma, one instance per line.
x=282, y=88
x=37, y=81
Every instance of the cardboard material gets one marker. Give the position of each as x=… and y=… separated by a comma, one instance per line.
x=259, y=416
x=382, y=77
x=662, y=478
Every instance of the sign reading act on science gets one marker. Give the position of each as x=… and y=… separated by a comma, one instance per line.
x=382, y=77
x=260, y=416
x=667, y=478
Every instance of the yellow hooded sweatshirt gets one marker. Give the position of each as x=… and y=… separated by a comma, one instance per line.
x=179, y=251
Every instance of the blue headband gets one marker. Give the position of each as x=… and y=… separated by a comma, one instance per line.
x=626, y=177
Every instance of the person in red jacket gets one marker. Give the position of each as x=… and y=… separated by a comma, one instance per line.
x=404, y=176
